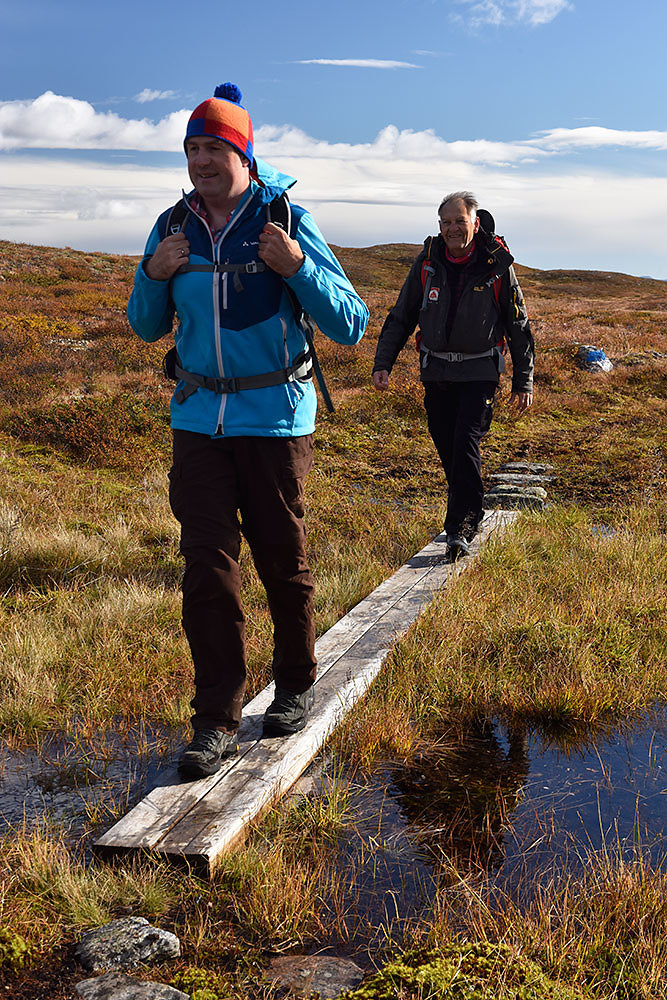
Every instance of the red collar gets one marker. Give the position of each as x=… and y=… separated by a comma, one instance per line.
x=199, y=207
x=461, y=260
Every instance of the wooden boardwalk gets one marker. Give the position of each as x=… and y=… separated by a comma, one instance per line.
x=196, y=821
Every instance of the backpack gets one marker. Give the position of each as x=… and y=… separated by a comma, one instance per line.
x=280, y=213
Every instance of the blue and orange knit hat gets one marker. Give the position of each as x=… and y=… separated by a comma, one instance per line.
x=224, y=117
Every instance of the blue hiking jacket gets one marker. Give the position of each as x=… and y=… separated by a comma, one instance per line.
x=231, y=326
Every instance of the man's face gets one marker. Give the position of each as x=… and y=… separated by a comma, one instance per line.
x=216, y=169
x=457, y=227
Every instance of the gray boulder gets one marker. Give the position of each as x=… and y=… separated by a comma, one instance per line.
x=118, y=986
x=126, y=943
x=304, y=975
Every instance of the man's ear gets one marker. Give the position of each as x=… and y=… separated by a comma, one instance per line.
x=476, y=223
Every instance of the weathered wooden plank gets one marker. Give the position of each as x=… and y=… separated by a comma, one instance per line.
x=198, y=820
x=149, y=820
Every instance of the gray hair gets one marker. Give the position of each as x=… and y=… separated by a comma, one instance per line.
x=467, y=197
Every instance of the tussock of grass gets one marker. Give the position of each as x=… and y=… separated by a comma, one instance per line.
x=601, y=930
x=46, y=893
x=555, y=625
x=114, y=650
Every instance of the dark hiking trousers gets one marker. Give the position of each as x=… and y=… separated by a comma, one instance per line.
x=459, y=415
x=212, y=482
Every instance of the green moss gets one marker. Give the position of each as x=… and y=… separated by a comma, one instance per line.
x=466, y=971
x=201, y=984
x=14, y=951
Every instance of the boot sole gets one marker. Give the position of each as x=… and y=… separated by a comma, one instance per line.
x=274, y=729
x=203, y=771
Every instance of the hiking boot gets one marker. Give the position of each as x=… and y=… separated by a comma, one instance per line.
x=288, y=712
x=206, y=752
x=457, y=547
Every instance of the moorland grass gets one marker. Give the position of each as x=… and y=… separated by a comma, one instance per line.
x=559, y=626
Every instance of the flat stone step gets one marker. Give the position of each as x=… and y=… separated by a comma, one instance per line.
x=196, y=821
x=509, y=489
x=520, y=478
x=513, y=501
x=537, y=468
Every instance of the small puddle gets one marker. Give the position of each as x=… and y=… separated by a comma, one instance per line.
x=508, y=804
x=80, y=783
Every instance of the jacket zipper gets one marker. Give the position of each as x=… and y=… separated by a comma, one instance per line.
x=216, y=306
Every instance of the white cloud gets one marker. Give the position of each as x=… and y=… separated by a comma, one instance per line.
x=596, y=137
x=359, y=63
x=536, y=12
x=146, y=95
x=52, y=121
x=55, y=122
x=390, y=144
x=497, y=12
x=554, y=212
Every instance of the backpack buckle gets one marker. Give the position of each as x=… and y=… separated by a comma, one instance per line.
x=251, y=268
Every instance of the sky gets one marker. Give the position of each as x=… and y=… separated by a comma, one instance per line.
x=551, y=111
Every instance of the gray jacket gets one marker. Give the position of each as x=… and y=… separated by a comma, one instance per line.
x=491, y=312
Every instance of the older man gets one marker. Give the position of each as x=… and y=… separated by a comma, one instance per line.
x=243, y=411
x=463, y=293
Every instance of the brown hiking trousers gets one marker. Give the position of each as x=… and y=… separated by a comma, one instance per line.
x=220, y=487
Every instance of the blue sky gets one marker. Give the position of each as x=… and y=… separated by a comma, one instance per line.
x=553, y=112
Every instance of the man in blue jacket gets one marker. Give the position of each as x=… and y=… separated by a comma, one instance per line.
x=243, y=413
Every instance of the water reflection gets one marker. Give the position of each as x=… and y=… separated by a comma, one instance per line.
x=457, y=794
x=80, y=782
x=507, y=803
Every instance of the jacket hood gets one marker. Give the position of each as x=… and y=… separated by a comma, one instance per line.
x=271, y=182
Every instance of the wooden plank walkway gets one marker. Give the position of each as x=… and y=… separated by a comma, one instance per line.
x=196, y=821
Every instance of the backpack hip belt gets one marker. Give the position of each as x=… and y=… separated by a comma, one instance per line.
x=301, y=370
x=454, y=355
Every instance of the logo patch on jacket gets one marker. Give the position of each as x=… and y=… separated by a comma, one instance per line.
x=434, y=294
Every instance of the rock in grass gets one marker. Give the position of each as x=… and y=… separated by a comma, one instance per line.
x=323, y=975
x=513, y=499
x=118, y=986
x=126, y=943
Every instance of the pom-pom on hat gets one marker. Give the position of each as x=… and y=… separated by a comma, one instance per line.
x=224, y=117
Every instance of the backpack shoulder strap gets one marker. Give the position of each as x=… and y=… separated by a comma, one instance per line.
x=178, y=218
x=279, y=211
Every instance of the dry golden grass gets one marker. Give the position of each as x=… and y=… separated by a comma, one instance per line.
x=550, y=627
